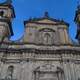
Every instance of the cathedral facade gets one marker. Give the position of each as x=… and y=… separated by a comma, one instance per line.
x=45, y=52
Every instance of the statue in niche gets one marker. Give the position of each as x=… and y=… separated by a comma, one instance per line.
x=1, y=13
x=47, y=38
x=10, y=71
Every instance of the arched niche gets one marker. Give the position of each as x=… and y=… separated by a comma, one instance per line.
x=10, y=73
x=46, y=36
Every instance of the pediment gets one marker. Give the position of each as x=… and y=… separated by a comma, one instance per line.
x=47, y=21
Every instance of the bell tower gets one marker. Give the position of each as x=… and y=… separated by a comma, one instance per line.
x=77, y=21
x=6, y=16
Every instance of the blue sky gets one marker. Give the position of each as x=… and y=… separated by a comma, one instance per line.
x=59, y=9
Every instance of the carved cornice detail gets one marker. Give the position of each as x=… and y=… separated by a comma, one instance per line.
x=36, y=51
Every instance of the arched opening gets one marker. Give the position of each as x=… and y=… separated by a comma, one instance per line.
x=48, y=72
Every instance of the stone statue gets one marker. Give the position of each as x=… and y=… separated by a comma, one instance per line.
x=1, y=13
x=9, y=73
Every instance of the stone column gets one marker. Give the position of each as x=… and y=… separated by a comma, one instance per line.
x=65, y=71
x=1, y=69
x=37, y=75
x=66, y=36
x=61, y=35
x=22, y=70
x=59, y=76
x=69, y=70
x=72, y=71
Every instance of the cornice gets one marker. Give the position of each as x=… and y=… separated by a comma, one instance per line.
x=39, y=51
x=59, y=23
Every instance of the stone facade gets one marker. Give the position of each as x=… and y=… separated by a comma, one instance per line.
x=45, y=52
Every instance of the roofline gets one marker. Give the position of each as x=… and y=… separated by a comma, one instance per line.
x=36, y=51
x=34, y=20
x=63, y=23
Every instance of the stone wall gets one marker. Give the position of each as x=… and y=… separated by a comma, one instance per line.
x=33, y=65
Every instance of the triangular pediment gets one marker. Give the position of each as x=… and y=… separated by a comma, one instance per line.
x=46, y=20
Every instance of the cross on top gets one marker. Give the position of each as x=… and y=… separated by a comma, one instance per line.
x=46, y=15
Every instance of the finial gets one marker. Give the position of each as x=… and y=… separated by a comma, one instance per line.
x=30, y=18
x=7, y=2
x=46, y=15
x=78, y=2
